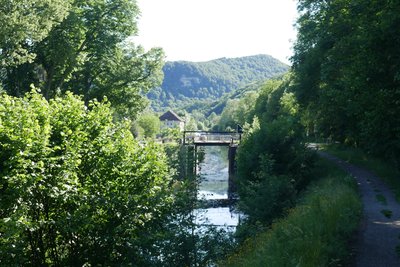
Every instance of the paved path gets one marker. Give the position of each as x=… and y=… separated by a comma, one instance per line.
x=379, y=236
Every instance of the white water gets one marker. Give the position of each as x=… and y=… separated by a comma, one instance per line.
x=214, y=185
x=217, y=217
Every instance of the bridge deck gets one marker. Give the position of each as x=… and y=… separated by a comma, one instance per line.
x=204, y=138
x=212, y=143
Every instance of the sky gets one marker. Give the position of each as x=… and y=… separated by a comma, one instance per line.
x=202, y=30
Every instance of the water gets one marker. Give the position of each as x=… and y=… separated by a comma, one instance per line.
x=221, y=216
x=214, y=186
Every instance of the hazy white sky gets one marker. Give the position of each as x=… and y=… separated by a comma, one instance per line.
x=201, y=30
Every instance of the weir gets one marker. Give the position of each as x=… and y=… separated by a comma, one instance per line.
x=195, y=139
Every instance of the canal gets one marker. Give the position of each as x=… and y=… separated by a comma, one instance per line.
x=213, y=186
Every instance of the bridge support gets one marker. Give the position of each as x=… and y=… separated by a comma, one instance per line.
x=232, y=171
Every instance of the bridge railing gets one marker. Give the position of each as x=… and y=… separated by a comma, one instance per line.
x=206, y=137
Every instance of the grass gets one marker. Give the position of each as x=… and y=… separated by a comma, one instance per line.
x=315, y=233
x=381, y=168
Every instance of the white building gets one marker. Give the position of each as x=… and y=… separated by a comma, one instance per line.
x=170, y=120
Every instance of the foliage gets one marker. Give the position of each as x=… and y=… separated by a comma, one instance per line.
x=183, y=242
x=347, y=72
x=148, y=125
x=173, y=135
x=186, y=244
x=76, y=188
x=88, y=53
x=24, y=23
x=273, y=163
x=237, y=111
x=273, y=191
x=315, y=233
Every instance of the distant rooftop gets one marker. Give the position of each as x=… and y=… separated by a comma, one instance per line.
x=170, y=116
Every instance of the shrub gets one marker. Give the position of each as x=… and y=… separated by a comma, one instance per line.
x=75, y=188
x=273, y=163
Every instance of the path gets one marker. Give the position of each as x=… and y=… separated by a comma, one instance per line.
x=379, y=236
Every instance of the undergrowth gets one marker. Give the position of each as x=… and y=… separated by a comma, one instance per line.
x=316, y=232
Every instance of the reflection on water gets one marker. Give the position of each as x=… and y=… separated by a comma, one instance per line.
x=214, y=174
x=217, y=217
x=214, y=185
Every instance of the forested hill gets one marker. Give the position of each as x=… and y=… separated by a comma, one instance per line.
x=212, y=79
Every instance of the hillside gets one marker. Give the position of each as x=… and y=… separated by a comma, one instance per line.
x=188, y=82
x=217, y=106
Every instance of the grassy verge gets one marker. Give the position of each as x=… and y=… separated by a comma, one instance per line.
x=315, y=233
x=388, y=173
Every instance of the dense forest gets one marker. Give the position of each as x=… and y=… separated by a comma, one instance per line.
x=346, y=73
x=343, y=87
x=345, y=76
x=186, y=82
x=82, y=181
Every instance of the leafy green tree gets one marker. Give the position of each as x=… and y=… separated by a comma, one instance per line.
x=88, y=53
x=237, y=111
x=150, y=123
x=76, y=189
x=23, y=24
x=346, y=72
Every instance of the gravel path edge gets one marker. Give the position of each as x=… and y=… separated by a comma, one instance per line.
x=379, y=234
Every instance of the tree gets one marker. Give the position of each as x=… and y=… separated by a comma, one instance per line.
x=150, y=124
x=23, y=24
x=88, y=53
x=346, y=72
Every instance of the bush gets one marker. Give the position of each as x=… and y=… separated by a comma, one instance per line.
x=263, y=200
x=75, y=188
x=273, y=163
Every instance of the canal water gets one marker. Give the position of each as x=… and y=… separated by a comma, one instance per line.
x=213, y=185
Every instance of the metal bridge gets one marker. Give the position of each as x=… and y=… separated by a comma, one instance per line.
x=207, y=138
x=195, y=139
